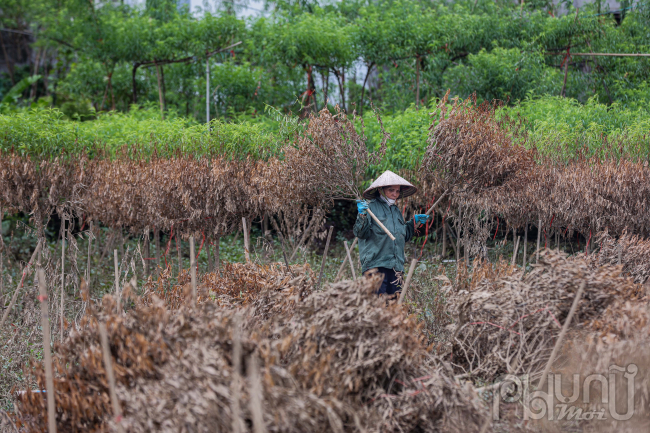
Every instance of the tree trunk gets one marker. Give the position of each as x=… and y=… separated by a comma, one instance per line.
x=8, y=61
x=566, y=73
x=133, y=82
x=363, y=89
x=161, y=98
x=207, y=90
x=417, y=83
x=35, y=72
x=110, y=86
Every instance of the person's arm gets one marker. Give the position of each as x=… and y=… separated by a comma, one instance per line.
x=410, y=230
x=362, y=226
x=414, y=224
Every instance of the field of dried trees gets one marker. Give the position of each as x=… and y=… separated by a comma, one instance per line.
x=532, y=265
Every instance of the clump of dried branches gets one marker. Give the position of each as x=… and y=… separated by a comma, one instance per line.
x=490, y=167
x=630, y=251
x=333, y=360
x=506, y=323
x=332, y=156
x=471, y=150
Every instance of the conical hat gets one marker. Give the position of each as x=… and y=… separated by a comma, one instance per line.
x=389, y=178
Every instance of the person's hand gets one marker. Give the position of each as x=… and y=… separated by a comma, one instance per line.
x=422, y=218
x=362, y=206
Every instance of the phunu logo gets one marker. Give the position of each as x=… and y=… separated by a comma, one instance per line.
x=555, y=405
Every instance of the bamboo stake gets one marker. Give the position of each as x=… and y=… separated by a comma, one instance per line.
x=246, y=241
x=217, y=241
x=256, y=392
x=347, y=251
x=90, y=241
x=20, y=285
x=620, y=253
x=193, y=271
x=156, y=238
x=322, y=265
x=47, y=355
x=408, y=281
x=539, y=238
x=514, y=254
x=178, y=255
x=63, y=238
x=444, y=241
x=236, y=368
x=560, y=338
x=117, y=279
x=110, y=375
x=147, y=254
x=525, y=244
x=345, y=260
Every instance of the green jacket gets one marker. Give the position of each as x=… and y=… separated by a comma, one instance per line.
x=375, y=247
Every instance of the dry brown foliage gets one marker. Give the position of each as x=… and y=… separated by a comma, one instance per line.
x=632, y=250
x=333, y=360
x=332, y=156
x=486, y=162
x=506, y=323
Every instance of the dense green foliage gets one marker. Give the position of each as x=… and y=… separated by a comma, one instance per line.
x=48, y=134
x=148, y=64
x=110, y=56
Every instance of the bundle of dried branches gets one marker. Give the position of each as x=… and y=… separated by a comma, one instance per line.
x=506, y=323
x=334, y=360
x=630, y=251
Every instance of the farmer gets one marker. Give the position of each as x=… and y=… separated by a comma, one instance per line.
x=378, y=252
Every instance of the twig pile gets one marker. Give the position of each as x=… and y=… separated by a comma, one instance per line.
x=506, y=324
x=335, y=360
x=632, y=251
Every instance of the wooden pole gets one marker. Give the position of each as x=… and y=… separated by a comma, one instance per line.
x=345, y=260
x=605, y=54
x=207, y=91
x=408, y=281
x=156, y=238
x=256, y=392
x=110, y=375
x=178, y=254
x=436, y=203
x=90, y=241
x=525, y=244
x=236, y=368
x=117, y=279
x=63, y=238
x=47, y=354
x=560, y=338
x=381, y=225
x=539, y=238
x=217, y=241
x=193, y=270
x=22, y=280
x=514, y=254
x=444, y=241
x=322, y=265
x=246, y=240
x=147, y=254
x=347, y=251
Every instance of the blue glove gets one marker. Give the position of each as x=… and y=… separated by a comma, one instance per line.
x=422, y=218
x=362, y=206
